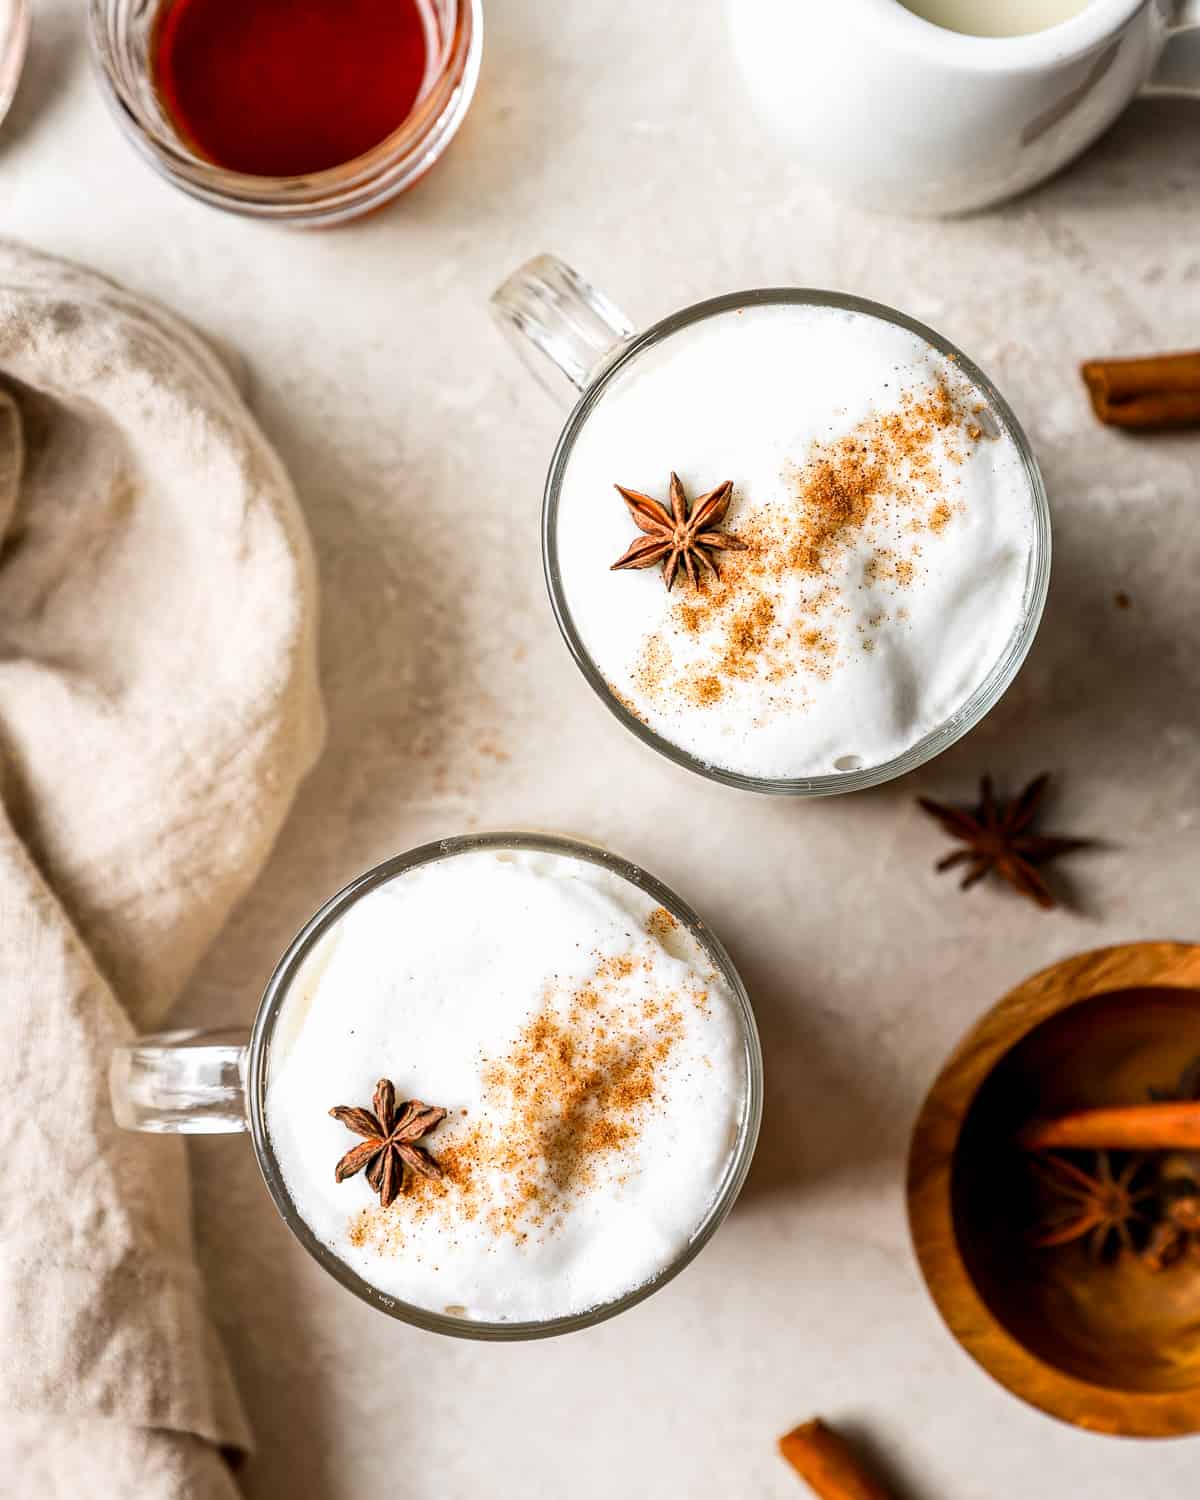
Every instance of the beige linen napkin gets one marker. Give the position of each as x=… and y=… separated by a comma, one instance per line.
x=158, y=707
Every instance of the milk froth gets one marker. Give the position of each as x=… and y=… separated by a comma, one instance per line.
x=592, y=1062
x=890, y=526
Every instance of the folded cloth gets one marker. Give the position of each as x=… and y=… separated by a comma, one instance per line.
x=158, y=708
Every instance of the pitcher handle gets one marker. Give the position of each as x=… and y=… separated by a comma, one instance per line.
x=562, y=328
x=1177, y=70
x=181, y=1082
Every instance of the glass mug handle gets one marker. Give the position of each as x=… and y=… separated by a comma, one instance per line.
x=563, y=330
x=181, y=1082
x=1177, y=70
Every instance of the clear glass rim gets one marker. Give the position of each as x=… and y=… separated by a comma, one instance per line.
x=340, y=192
x=15, y=26
x=981, y=701
x=288, y=968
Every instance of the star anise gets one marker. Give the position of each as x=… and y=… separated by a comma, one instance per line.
x=1099, y=1207
x=684, y=533
x=998, y=837
x=389, y=1151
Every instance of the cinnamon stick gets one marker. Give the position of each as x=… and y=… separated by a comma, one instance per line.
x=1169, y=1126
x=1157, y=391
x=827, y=1463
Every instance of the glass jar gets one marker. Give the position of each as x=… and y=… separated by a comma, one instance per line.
x=123, y=38
x=14, y=43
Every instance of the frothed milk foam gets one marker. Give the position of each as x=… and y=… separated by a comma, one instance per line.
x=889, y=525
x=996, y=17
x=591, y=1060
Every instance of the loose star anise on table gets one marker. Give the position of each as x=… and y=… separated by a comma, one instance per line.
x=999, y=837
x=389, y=1151
x=684, y=533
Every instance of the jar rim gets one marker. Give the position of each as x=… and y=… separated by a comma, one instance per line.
x=15, y=24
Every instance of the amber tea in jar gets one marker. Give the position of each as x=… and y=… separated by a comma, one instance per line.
x=284, y=88
x=309, y=111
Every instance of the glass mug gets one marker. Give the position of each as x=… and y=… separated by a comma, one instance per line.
x=122, y=35
x=575, y=341
x=15, y=18
x=215, y=1082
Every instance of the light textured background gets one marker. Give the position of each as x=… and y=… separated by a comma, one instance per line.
x=618, y=136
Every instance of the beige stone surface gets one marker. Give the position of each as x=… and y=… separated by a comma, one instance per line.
x=619, y=136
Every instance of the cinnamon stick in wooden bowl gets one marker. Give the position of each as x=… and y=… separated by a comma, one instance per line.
x=1163, y=1125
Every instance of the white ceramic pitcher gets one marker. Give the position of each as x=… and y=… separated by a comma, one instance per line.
x=896, y=113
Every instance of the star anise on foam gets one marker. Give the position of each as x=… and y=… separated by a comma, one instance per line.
x=685, y=533
x=389, y=1151
x=1099, y=1207
x=999, y=837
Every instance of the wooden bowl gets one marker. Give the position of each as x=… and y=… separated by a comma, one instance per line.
x=1111, y=1347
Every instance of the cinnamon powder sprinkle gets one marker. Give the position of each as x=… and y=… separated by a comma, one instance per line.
x=660, y=923
x=770, y=616
x=565, y=1104
x=705, y=691
x=627, y=704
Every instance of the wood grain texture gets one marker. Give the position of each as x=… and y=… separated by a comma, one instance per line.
x=1117, y=1348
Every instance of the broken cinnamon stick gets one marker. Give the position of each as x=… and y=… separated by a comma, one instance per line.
x=827, y=1463
x=1169, y=1126
x=1157, y=391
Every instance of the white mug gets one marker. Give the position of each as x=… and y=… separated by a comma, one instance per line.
x=897, y=113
